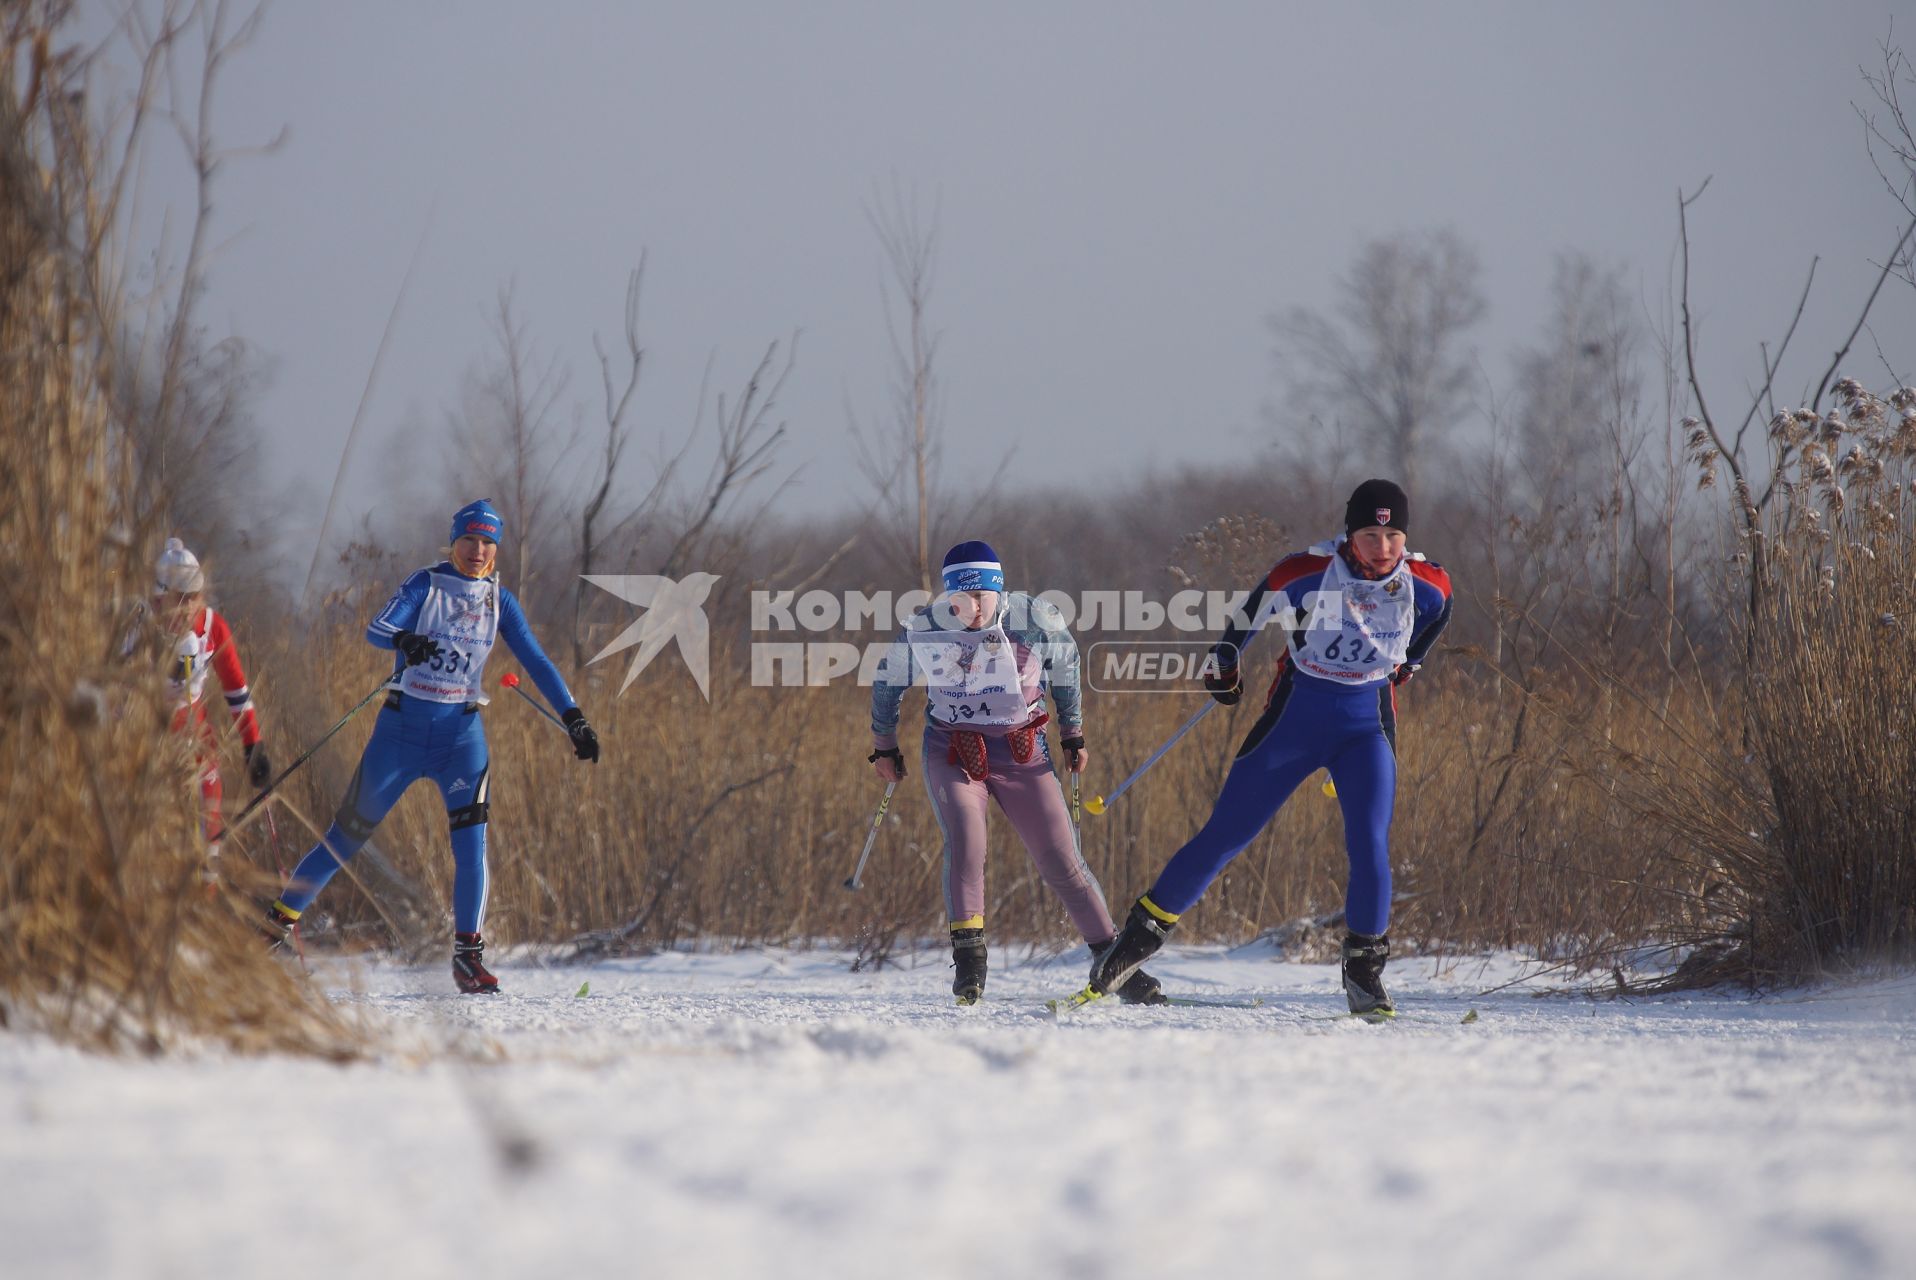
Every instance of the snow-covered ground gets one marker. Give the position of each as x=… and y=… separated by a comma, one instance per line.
x=762, y=1114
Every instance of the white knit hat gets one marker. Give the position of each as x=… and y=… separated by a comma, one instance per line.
x=178, y=570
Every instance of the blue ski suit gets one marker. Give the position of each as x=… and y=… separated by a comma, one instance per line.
x=1351, y=640
x=430, y=728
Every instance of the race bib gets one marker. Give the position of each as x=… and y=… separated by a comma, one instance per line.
x=972, y=678
x=462, y=616
x=1357, y=630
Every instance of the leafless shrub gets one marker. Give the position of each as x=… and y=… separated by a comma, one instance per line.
x=107, y=935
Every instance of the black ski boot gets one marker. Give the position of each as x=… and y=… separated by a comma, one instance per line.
x=1143, y=933
x=968, y=954
x=1365, y=955
x=1140, y=987
x=469, y=966
x=277, y=927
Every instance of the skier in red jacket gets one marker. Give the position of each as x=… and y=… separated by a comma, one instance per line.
x=195, y=639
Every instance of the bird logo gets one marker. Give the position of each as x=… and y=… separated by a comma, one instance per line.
x=674, y=612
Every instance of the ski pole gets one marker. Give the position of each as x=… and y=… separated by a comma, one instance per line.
x=511, y=681
x=1098, y=804
x=872, y=836
x=305, y=755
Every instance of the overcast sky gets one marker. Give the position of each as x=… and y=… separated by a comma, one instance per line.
x=1126, y=192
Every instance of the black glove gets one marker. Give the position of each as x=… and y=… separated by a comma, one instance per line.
x=1402, y=675
x=259, y=766
x=585, y=743
x=1072, y=746
x=416, y=648
x=892, y=754
x=1225, y=685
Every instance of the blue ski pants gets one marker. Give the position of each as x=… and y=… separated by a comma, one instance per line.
x=413, y=739
x=1317, y=725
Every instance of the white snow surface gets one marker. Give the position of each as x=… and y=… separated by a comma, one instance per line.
x=770, y=1113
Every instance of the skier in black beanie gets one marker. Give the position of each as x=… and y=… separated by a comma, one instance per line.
x=1380, y=503
x=1377, y=608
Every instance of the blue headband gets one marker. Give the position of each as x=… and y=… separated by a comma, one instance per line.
x=973, y=566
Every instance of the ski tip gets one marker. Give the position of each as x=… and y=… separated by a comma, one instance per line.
x=1469, y=1018
x=1078, y=1001
x=585, y=989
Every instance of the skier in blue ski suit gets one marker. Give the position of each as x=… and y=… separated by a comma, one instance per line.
x=1360, y=614
x=441, y=626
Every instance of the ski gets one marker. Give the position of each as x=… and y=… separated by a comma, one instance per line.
x=1088, y=996
x=1072, y=1003
x=1377, y=1017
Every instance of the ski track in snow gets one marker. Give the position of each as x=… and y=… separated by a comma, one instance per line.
x=762, y=1113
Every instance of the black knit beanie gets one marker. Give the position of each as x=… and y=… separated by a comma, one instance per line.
x=1379, y=502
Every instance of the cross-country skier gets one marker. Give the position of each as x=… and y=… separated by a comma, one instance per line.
x=194, y=640
x=986, y=658
x=441, y=626
x=1360, y=614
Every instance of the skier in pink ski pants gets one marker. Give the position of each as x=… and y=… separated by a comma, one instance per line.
x=986, y=658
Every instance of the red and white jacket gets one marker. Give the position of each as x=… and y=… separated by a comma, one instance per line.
x=208, y=645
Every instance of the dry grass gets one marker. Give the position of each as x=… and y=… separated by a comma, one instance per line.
x=107, y=936
x=1794, y=806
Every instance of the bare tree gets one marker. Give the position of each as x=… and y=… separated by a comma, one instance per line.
x=748, y=442
x=617, y=435
x=183, y=397
x=510, y=441
x=900, y=457
x=1391, y=359
x=1890, y=138
x=1583, y=432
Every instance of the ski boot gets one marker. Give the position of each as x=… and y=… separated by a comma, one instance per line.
x=1140, y=987
x=469, y=966
x=1118, y=964
x=1365, y=955
x=277, y=927
x=968, y=954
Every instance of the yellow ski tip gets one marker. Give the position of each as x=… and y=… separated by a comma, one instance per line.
x=1077, y=1001
x=1094, y=805
x=1330, y=788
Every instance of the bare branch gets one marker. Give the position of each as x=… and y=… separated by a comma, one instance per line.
x=359, y=413
x=617, y=436
x=1869, y=302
